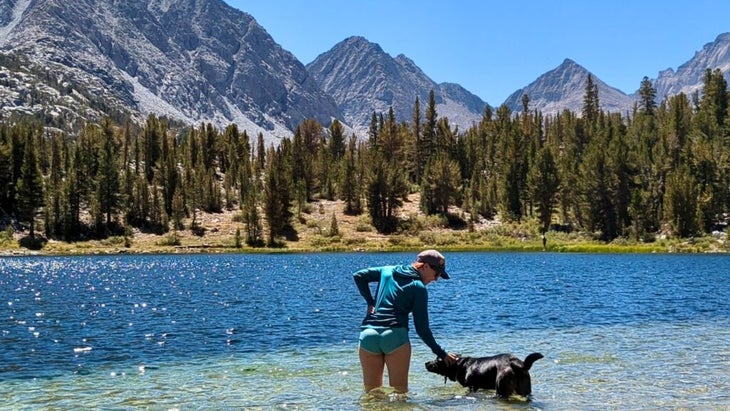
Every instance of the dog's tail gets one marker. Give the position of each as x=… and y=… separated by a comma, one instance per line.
x=527, y=364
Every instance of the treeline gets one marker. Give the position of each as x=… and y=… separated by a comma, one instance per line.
x=661, y=168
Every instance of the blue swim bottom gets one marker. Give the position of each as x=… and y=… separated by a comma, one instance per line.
x=383, y=341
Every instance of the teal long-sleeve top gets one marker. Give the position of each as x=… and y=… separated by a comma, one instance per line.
x=400, y=292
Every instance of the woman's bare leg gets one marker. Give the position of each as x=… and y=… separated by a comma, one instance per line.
x=398, y=362
x=372, y=369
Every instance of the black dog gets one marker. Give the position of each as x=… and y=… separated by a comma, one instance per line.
x=504, y=372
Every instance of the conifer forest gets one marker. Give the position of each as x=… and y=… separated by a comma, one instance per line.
x=662, y=168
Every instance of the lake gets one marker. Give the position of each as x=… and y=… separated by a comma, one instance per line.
x=279, y=331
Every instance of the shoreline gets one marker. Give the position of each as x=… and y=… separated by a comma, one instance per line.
x=704, y=245
x=313, y=234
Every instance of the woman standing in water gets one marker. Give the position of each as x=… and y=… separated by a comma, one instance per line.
x=384, y=332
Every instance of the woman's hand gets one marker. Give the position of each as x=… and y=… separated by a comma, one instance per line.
x=451, y=358
x=371, y=309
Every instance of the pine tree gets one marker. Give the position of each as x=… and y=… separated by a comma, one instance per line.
x=349, y=186
x=54, y=190
x=260, y=155
x=72, y=196
x=6, y=176
x=647, y=96
x=595, y=186
x=429, y=142
x=337, y=140
x=510, y=168
x=277, y=199
x=327, y=170
x=154, y=131
x=681, y=202
x=544, y=182
x=440, y=185
x=107, y=181
x=178, y=209
x=251, y=218
x=417, y=151
x=307, y=138
x=169, y=175
x=591, y=105
x=29, y=195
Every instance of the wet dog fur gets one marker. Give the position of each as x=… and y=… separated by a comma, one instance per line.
x=504, y=373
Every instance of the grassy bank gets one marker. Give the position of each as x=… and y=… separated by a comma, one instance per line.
x=314, y=232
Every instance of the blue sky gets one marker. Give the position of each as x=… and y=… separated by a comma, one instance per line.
x=493, y=48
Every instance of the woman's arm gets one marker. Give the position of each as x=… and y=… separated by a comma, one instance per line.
x=420, y=320
x=363, y=278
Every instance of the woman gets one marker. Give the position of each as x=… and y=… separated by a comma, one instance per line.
x=384, y=333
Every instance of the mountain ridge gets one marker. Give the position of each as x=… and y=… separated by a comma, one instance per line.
x=688, y=78
x=203, y=61
x=199, y=60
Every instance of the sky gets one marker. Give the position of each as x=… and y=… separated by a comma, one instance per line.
x=494, y=48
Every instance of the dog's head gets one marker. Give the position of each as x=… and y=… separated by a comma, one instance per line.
x=440, y=367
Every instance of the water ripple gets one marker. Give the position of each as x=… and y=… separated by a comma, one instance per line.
x=134, y=319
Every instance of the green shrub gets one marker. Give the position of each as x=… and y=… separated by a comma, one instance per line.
x=6, y=236
x=354, y=241
x=364, y=225
x=396, y=239
x=115, y=240
x=170, y=240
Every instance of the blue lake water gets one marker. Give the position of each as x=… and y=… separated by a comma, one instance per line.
x=280, y=331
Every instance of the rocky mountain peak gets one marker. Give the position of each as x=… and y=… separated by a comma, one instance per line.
x=563, y=88
x=362, y=78
x=688, y=78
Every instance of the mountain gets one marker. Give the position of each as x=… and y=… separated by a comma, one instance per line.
x=68, y=62
x=190, y=60
x=362, y=79
x=563, y=88
x=689, y=76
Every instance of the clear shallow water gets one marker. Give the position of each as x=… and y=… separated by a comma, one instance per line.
x=280, y=331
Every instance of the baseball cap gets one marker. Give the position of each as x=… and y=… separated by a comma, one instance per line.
x=435, y=260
